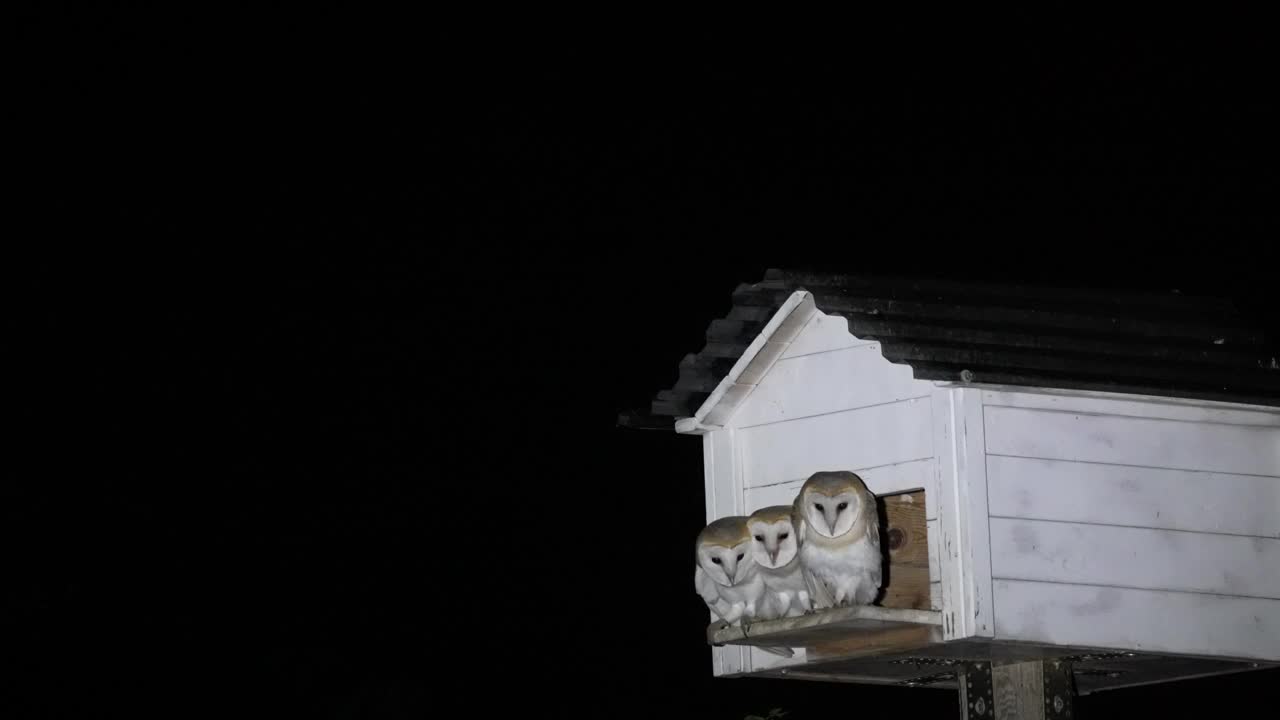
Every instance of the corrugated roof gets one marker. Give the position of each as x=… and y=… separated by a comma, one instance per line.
x=1143, y=342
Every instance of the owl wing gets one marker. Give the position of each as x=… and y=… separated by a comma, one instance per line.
x=706, y=588
x=711, y=596
x=818, y=592
x=873, y=520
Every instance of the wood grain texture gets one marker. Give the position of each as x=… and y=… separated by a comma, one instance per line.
x=963, y=543
x=883, y=480
x=907, y=587
x=1128, y=406
x=935, y=570
x=1134, y=496
x=1138, y=620
x=817, y=627
x=864, y=438
x=824, y=333
x=904, y=537
x=907, y=531
x=723, y=487
x=825, y=383
x=874, y=642
x=1156, y=408
x=1019, y=690
x=1135, y=557
x=1175, y=445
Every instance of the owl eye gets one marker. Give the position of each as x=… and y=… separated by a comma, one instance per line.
x=783, y=536
x=740, y=556
x=842, y=506
x=715, y=560
x=819, y=506
x=759, y=538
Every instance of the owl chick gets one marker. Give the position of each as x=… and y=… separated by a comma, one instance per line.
x=726, y=575
x=776, y=550
x=839, y=538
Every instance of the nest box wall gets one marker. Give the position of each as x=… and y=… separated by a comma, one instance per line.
x=1054, y=517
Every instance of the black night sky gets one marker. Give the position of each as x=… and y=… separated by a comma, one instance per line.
x=326, y=323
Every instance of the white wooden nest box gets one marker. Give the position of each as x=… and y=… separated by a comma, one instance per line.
x=1135, y=535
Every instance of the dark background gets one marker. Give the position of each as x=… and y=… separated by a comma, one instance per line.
x=327, y=320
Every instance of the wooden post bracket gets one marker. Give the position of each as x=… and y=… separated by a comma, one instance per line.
x=1059, y=689
x=977, y=697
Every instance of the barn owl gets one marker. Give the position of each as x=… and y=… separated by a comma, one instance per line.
x=839, y=538
x=726, y=575
x=776, y=550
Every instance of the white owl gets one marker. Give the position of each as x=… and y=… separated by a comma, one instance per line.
x=776, y=549
x=726, y=575
x=839, y=538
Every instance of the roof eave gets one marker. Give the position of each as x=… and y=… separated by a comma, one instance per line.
x=778, y=334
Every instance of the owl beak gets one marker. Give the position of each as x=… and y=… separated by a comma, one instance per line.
x=773, y=556
x=829, y=514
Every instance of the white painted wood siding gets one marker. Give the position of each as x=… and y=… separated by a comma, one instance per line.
x=1139, y=620
x=829, y=402
x=1134, y=523
x=964, y=549
x=823, y=333
x=1134, y=496
x=833, y=402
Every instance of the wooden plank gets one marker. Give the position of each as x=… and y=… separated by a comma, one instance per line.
x=1018, y=689
x=1238, y=449
x=906, y=531
x=863, y=438
x=723, y=483
x=950, y=524
x=816, y=627
x=1138, y=620
x=935, y=570
x=1154, y=408
x=875, y=642
x=883, y=480
x=823, y=675
x=826, y=383
x=1134, y=496
x=824, y=333
x=963, y=542
x=906, y=587
x=972, y=473
x=724, y=475
x=1135, y=557
x=761, y=661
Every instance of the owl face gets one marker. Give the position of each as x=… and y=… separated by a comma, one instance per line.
x=773, y=543
x=831, y=515
x=724, y=564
